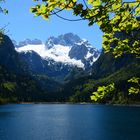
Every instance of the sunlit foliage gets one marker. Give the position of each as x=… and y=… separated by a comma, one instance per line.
x=102, y=91
x=135, y=89
x=9, y=86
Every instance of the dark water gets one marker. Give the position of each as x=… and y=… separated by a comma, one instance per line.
x=69, y=122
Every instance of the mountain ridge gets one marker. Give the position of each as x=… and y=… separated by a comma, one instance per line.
x=65, y=49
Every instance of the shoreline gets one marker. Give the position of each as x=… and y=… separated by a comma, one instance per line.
x=80, y=103
x=84, y=103
x=70, y=103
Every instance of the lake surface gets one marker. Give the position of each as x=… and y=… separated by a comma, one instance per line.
x=69, y=122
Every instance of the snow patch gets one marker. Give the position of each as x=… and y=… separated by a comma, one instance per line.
x=40, y=49
x=58, y=53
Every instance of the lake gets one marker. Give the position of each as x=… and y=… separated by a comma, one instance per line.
x=69, y=122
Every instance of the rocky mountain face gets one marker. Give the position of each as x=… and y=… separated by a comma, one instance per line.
x=59, y=55
x=79, y=51
x=68, y=39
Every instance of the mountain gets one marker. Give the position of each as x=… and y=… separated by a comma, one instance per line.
x=68, y=49
x=17, y=83
x=49, y=67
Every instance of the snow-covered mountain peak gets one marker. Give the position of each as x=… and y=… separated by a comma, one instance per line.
x=68, y=49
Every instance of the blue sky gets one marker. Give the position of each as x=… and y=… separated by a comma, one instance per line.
x=22, y=24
